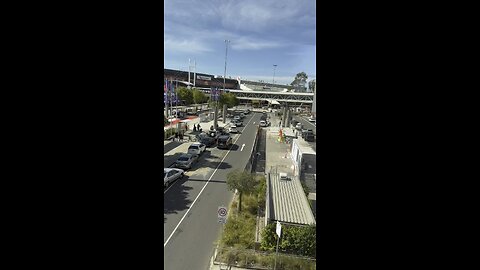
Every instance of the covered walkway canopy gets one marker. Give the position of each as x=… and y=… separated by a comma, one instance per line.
x=273, y=101
x=287, y=202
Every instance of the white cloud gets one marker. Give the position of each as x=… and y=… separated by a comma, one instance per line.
x=185, y=46
x=245, y=43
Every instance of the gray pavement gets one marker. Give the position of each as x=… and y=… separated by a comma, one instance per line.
x=194, y=233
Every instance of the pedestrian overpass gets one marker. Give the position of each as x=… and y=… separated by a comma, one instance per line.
x=271, y=97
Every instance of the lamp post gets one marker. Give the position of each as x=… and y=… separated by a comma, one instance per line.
x=274, y=67
x=225, y=71
x=215, y=125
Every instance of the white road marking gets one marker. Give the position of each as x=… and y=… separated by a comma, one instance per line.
x=242, y=147
x=190, y=208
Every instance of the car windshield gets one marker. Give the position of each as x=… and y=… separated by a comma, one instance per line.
x=183, y=158
x=193, y=147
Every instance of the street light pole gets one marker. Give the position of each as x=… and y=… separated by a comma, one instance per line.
x=225, y=71
x=274, y=67
x=215, y=124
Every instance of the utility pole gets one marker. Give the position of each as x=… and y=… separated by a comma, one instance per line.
x=189, y=66
x=194, y=71
x=225, y=71
x=215, y=125
x=274, y=67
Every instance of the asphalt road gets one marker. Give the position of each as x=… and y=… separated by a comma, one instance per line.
x=190, y=204
x=307, y=125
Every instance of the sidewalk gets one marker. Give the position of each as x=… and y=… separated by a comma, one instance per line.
x=171, y=156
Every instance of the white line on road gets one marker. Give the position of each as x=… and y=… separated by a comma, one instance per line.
x=242, y=147
x=190, y=208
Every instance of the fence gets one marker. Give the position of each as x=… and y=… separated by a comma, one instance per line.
x=253, y=155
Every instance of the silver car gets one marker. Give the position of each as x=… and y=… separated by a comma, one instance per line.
x=170, y=175
x=185, y=161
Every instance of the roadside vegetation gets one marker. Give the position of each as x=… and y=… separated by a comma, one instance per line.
x=237, y=243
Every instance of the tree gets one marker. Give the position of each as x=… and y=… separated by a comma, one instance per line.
x=199, y=97
x=311, y=85
x=229, y=99
x=243, y=182
x=185, y=94
x=300, y=81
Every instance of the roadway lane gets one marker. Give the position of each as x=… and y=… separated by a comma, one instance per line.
x=191, y=245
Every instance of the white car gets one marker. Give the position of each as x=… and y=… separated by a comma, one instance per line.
x=263, y=123
x=196, y=148
x=311, y=119
x=170, y=175
x=298, y=126
x=233, y=129
x=236, y=117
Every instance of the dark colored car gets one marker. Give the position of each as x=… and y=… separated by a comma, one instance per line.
x=205, y=139
x=305, y=131
x=309, y=136
x=224, y=141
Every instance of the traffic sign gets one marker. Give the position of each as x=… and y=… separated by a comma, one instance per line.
x=222, y=214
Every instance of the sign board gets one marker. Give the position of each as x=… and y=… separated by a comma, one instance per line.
x=199, y=77
x=222, y=214
x=279, y=229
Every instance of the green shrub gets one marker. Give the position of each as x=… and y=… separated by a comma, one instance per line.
x=261, y=191
x=239, y=231
x=295, y=240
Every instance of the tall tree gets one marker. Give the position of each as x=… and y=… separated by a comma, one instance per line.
x=198, y=97
x=229, y=99
x=185, y=94
x=311, y=85
x=300, y=81
x=241, y=181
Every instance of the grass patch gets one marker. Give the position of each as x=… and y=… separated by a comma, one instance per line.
x=239, y=231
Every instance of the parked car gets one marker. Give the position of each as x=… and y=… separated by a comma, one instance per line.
x=196, y=148
x=237, y=123
x=298, y=126
x=205, y=139
x=242, y=115
x=185, y=161
x=263, y=123
x=233, y=129
x=170, y=175
x=309, y=137
x=311, y=119
x=236, y=117
x=305, y=131
x=224, y=141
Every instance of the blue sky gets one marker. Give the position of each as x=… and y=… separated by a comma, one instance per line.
x=261, y=33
